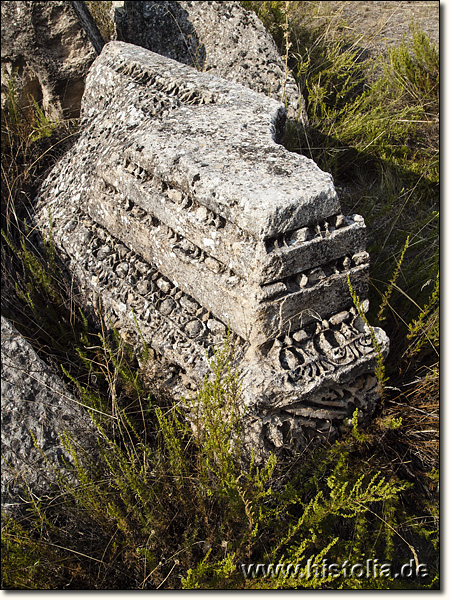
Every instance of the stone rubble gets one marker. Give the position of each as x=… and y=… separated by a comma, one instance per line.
x=180, y=217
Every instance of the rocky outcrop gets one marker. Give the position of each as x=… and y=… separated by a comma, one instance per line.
x=36, y=409
x=180, y=214
x=47, y=53
x=221, y=38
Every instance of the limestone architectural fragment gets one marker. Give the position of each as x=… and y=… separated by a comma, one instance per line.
x=179, y=210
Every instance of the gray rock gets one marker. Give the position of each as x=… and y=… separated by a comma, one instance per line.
x=36, y=410
x=221, y=38
x=44, y=44
x=236, y=232
x=51, y=45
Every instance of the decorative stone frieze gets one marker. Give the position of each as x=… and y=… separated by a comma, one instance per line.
x=179, y=212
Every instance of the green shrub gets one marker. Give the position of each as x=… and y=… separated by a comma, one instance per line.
x=184, y=509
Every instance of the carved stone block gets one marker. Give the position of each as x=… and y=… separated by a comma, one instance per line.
x=178, y=209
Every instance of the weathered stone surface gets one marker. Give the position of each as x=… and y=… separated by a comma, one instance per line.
x=51, y=50
x=219, y=37
x=34, y=402
x=178, y=210
x=89, y=25
x=45, y=45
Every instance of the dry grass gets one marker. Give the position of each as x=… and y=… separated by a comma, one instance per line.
x=418, y=409
x=383, y=24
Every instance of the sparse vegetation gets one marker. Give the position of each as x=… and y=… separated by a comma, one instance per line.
x=161, y=508
x=374, y=124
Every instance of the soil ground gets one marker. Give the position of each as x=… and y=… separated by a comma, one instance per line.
x=385, y=22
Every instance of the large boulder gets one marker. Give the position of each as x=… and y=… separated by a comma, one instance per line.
x=47, y=53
